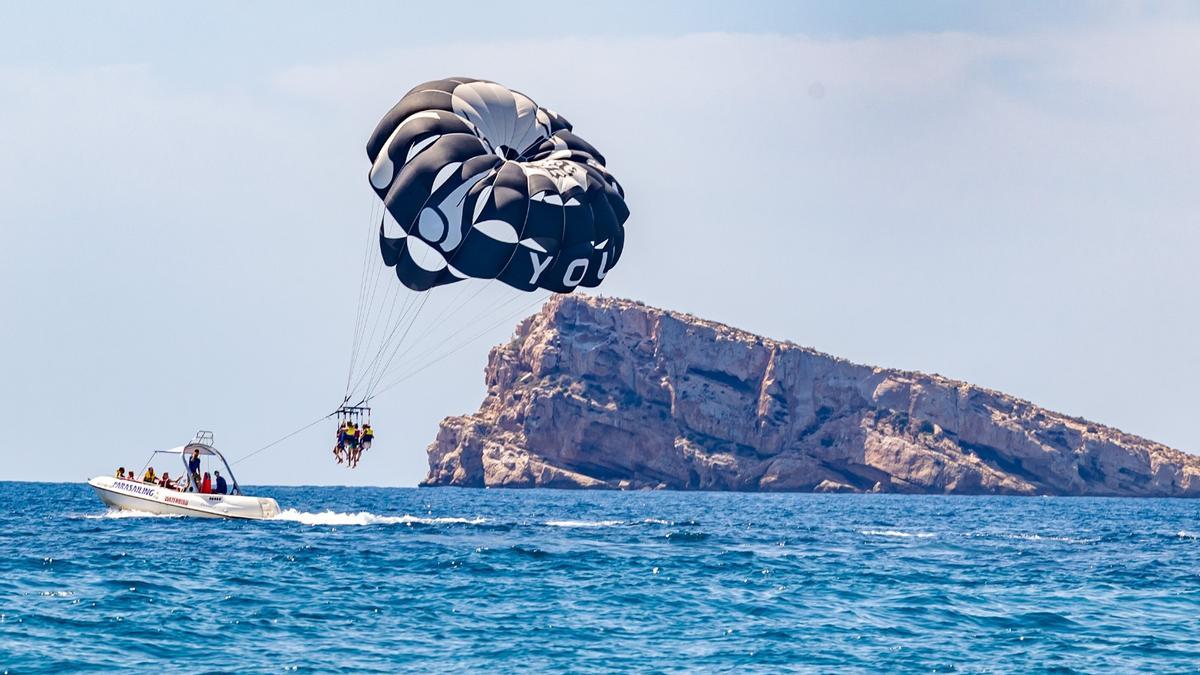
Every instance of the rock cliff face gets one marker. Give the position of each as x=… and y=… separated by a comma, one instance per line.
x=605, y=393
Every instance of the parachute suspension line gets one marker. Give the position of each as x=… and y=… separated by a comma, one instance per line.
x=473, y=323
x=472, y=319
x=389, y=294
x=373, y=371
x=385, y=344
x=277, y=441
x=460, y=346
x=373, y=291
x=359, y=317
x=453, y=300
x=451, y=308
x=371, y=350
x=364, y=274
x=431, y=325
x=389, y=333
x=374, y=381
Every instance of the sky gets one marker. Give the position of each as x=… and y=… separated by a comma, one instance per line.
x=999, y=192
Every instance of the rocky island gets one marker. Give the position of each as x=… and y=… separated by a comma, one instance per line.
x=607, y=393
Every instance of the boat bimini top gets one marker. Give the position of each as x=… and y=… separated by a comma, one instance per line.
x=202, y=443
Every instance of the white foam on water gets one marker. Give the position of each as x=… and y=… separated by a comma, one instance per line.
x=1027, y=536
x=119, y=513
x=367, y=518
x=896, y=533
x=1184, y=534
x=583, y=523
x=1038, y=537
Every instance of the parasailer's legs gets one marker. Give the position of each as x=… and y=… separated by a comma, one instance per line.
x=352, y=449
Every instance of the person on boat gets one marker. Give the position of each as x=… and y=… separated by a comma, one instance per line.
x=149, y=476
x=222, y=488
x=206, y=484
x=121, y=472
x=165, y=480
x=194, y=466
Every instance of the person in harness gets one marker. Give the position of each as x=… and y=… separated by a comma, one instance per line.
x=339, y=448
x=368, y=435
x=363, y=442
x=350, y=440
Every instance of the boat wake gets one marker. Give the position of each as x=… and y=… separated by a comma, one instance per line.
x=367, y=518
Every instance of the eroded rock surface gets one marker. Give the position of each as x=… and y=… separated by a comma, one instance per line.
x=608, y=393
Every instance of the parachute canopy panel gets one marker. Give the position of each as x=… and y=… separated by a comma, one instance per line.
x=481, y=182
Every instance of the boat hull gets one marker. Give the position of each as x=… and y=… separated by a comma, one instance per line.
x=129, y=495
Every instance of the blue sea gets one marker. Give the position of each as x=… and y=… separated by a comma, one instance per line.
x=387, y=580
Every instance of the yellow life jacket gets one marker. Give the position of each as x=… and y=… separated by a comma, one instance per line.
x=367, y=430
x=149, y=477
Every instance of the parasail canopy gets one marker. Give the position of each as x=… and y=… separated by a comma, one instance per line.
x=480, y=182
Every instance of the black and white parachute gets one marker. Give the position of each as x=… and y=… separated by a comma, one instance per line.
x=481, y=182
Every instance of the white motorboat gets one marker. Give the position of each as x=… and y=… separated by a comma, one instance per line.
x=188, y=500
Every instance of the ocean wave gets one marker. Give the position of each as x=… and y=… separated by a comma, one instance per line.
x=583, y=523
x=1033, y=536
x=896, y=533
x=1048, y=537
x=368, y=518
x=686, y=536
x=606, y=523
